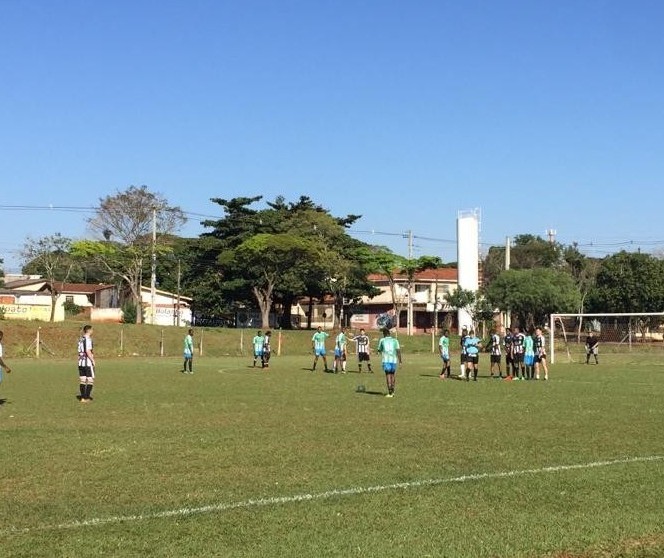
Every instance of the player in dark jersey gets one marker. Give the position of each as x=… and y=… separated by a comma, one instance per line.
x=508, y=342
x=267, y=349
x=363, y=351
x=592, y=347
x=518, y=366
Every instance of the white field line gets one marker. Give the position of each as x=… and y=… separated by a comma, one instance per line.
x=338, y=492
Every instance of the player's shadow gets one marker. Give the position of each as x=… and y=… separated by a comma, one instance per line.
x=367, y=392
x=3, y=401
x=430, y=375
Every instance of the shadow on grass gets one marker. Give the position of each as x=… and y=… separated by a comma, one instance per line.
x=3, y=401
x=370, y=392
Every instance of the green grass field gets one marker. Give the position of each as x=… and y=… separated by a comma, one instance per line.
x=235, y=461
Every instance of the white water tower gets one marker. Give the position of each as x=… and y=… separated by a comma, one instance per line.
x=468, y=257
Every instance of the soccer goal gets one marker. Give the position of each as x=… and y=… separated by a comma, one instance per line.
x=619, y=331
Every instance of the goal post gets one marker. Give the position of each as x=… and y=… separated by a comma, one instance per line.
x=618, y=327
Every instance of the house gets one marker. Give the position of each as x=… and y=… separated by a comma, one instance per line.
x=169, y=309
x=429, y=290
x=30, y=299
x=428, y=301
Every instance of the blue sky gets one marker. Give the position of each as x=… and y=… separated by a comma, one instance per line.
x=546, y=114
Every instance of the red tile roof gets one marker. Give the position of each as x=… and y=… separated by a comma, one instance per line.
x=441, y=274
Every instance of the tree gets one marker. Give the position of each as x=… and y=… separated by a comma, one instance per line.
x=584, y=271
x=475, y=303
x=527, y=252
x=532, y=294
x=410, y=268
x=327, y=266
x=628, y=282
x=382, y=260
x=270, y=259
x=126, y=222
x=51, y=254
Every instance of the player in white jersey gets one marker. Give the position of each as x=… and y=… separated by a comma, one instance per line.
x=495, y=354
x=540, y=355
x=363, y=351
x=390, y=350
x=86, y=365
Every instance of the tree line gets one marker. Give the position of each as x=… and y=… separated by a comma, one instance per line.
x=266, y=254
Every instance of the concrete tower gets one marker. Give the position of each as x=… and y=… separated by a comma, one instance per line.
x=468, y=254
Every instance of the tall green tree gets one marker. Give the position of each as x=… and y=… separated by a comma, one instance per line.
x=473, y=302
x=51, y=254
x=326, y=266
x=271, y=260
x=527, y=252
x=628, y=282
x=531, y=295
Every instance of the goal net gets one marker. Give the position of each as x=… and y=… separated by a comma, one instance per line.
x=615, y=332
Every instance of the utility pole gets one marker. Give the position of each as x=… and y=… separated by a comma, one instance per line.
x=177, y=316
x=153, y=273
x=409, y=317
x=508, y=255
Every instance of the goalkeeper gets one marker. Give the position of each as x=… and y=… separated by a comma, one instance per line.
x=592, y=343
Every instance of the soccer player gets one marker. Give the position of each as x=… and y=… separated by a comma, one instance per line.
x=340, y=343
x=529, y=355
x=518, y=339
x=592, y=343
x=188, y=353
x=362, y=344
x=267, y=349
x=495, y=354
x=258, y=342
x=472, y=345
x=540, y=354
x=508, y=341
x=390, y=350
x=86, y=365
x=3, y=364
x=462, y=341
x=318, y=345
x=444, y=348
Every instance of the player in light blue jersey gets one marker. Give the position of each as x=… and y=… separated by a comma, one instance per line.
x=258, y=342
x=390, y=350
x=340, y=343
x=318, y=346
x=529, y=356
x=472, y=346
x=188, y=353
x=444, y=349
